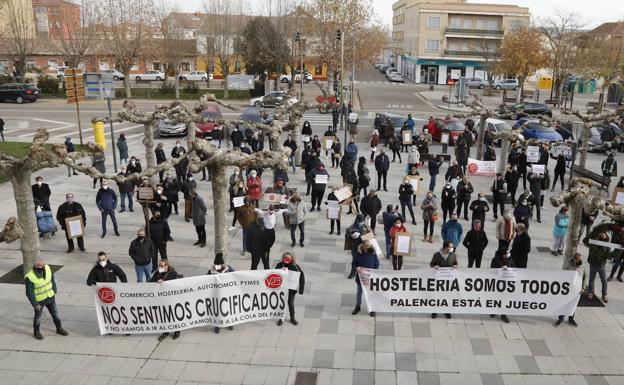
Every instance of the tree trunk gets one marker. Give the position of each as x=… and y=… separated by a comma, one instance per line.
x=26, y=215
x=177, y=86
x=572, y=238
x=219, y=192
x=127, y=85
x=226, y=93
x=504, y=152
x=297, y=138
x=586, y=133
x=521, y=86
x=150, y=154
x=481, y=137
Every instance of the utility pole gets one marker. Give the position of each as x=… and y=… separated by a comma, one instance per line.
x=301, y=75
x=342, y=122
x=353, y=73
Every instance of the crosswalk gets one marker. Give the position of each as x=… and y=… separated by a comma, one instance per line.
x=384, y=82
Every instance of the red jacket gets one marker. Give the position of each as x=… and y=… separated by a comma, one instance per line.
x=254, y=187
x=374, y=141
x=394, y=230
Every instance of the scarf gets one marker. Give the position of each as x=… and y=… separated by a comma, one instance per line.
x=507, y=229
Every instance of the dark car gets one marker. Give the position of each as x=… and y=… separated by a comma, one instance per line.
x=254, y=115
x=397, y=122
x=535, y=130
x=566, y=130
x=521, y=110
x=19, y=92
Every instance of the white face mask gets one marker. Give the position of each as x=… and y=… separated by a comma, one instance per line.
x=178, y=145
x=39, y=183
x=218, y=267
x=190, y=178
x=451, y=250
x=102, y=263
x=161, y=269
x=160, y=191
x=105, y=187
x=253, y=174
x=524, y=203
x=482, y=199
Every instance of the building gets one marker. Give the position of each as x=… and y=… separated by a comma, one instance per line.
x=437, y=40
x=56, y=19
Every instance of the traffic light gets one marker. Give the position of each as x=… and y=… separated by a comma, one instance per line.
x=335, y=85
x=298, y=37
x=339, y=35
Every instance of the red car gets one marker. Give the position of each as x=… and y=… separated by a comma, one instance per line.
x=204, y=130
x=455, y=126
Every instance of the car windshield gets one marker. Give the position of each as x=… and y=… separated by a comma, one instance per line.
x=502, y=126
x=251, y=116
x=455, y=126
x=211, y=115
x=397, y=121
x=539, y=128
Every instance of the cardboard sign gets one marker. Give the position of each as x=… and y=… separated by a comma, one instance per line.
x=333, y=210
x=74, y=226
x=407, y=137
x=561, y=149
x=305, y=138
x=538, y=168
x=444, y=138
x=413, y=179
x=321, y=179
x=328, y=142
x=402, y=244
x=370, y=237
x=145, y=194
x=532, y=154
x=618, y=196
x=271, y=198
x=343, y=194
x=238, y=201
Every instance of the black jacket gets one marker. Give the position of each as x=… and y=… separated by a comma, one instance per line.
x=434, y=166
x=498, y=188
x=382, y=163
x=560, y=166
x=464, y=191
x=363, y=175
x=370, y=206
x=453, y=172
x=256, y=238
x=67, y=211
x=520, y=249
x=125, y=186
x=406, y=191
x=511, y=178
x=159, y=230
x=291, y=144
x=294, y=267
x=160, y=156
x=475, y=242
x=237, y=138
x=177, y=152
x=499, y=261
x=448, y=198
x=142, y=252
x=479, y=209
x=108, y=273
x=166, y=276
x=41, y=194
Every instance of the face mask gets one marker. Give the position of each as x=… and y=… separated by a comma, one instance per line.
x=287, y=261
x=161, y=269
x=156, y=217
x=190, y=178
x=253, y=174
x=131, y=162
x=450, y=250
x=507, y=255
x=429, y=196
x=160, y=191
x=105, y=187
x=448, y=185
x=453, y=220
x=523, y=203
x=39, y=269
x=236, y=172
x=482, y=199
x=178, y=145
x=39, y=183
x=398, y=225
x=102, y=263
x=579, y=263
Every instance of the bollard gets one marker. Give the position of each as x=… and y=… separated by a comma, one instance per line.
x=98, y=133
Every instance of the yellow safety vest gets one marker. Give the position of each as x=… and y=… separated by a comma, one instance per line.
x=43, y=286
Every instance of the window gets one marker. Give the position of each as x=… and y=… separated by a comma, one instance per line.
x=433, y=45
x=237, y=66
x=515, y=25
x=30, y=64
x=481, y=24
x=185, y=66
x=103, y=65
x=492, y=25
x=433, y=22
x=467, y=24
x=318, y=70
x=4, y=66
x=455, y=22
x=53, y=65
x=156, y=66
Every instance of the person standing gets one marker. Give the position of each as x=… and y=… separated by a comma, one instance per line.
x=445, y=257
x=335, y=118
x=237, y=137
x=521, y=247
x=351, y=151
x=67, y=210
x=370, y=206
x=511, y=178
x=165, y=272
x=394, y=143
x=398, y=227
x=429, y=209
x=289, y=263
x=363, y=178
x=160, y=233
x=413, y=157
x=389, y=218
x=464, y=191
x=479, y=207
x=382, y=165
x=41, y=291
x=188, y=185
x=69, y=146
x=597, y=258
x=475, y=241
x=353, y=239
x=246, y=215
x=199, y=211
x=434, y=169
x=448, y=201
x=254, y=187
x=406, y=192
x=336, y=152
x=502, y=260
x=505, y=230
x=180, y=167
x=2, y=128
x=106, y=202
x=609, y=167
x=41, y=194
x=453, y=172
x=560, y=230
x=172, y=191
x=560, y=169
x=587, y=221
x=334, y=222
x=269, y=220
x=288, y=143
x=160, y=158
x=367, y=259
x=122, y=146
x=126, y=190
x=374, y=143
x=105, y=270
x=318, y=188
x=257, y=243
x=297, y=212
x=576, y=263
x=98, y=162
x=143, y=253
x=220, y=267
x=452, y=231
x=499, y=192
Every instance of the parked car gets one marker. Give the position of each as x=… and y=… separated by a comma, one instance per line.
x=307, y=77
x=150, y=75
x=565, y=130
x=272, y=99
x=602, y=134
x=390, y=71
x=200, y=76
x=397, y=122
x=116, y=74
x=477, y=83
x=521, y=110
x=19, y=92
x=395, y=77
x=506, y=84
x=455, y=126
x=534, y=130
x=168, y=128
x=383, y=69
x=204, y=130
x=254, y=115
x=285, y=78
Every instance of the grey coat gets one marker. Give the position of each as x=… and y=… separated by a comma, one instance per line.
x=297, y=212
x=428, y=207
x=199, y=211
x=439, y=260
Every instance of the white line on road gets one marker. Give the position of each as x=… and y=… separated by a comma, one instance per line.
x=49, y=130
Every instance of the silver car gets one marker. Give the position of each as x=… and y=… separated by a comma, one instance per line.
x=477, y=83
x=168, y=128
x=506, y=84
x=395, y=77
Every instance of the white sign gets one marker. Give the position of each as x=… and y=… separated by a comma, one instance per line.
x=321, y=179
x=532, y=154
x=481, y=167
x=292, y=279
x=455, y=74
x=238, y=201
x=469, y=291
x=305, y=138
x=561, y=149
x=207, y=300
x=444, y=138
x=333, y=210
x=538, y=168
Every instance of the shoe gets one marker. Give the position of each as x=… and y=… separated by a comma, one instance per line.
x=122, y=210
x=385, y=189
x=176, y=335
x=75, y=173
x=301, y=243
x=231, y=228
x=492, y=315
x=280, y=322
x=351, y=275
x=338, y=233
x=539, y=221
x=425, y=239
x=620, y=279
x=430, y=239
x=448, y=316
x=163, y=336
x=553, y=253
x=70, y=251
x=609, y=279
x=372, y=314
x=217, y=329
x=243, y=252
x=356, y=310
x=117, y=232
x=203, y=244
x=572, y=322
x=170, y=239
x=294, y=321
x=83, y=249
x=331, y=232
x=604, y=299
x=505, y=319
x=196, y=243
x=103, y=235
x=230, y=327
x=132, y=210
x=434, y=315
x=556, y=324
x=413, y=222
x=177, y=213
x=38, y=335
x=560, y=252
x=292, y=244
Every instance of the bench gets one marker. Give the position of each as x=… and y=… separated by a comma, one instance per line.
x=527, y=95
x=593, y=107
x=554, y=102
x=585, y=173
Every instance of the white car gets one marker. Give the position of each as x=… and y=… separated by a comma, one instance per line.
x=116, y=74
x=150, y=75
x=196, y=76
x=391, y=70
x=272, y=99
x=285, y=78
x=307, y=77
x=497, y=125
x=395, y=77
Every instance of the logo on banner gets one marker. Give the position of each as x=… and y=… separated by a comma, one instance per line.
x=273, y=281
x=106, y=295
x=473, y=168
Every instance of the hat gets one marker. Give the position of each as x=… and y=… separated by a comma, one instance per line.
x=219, y=259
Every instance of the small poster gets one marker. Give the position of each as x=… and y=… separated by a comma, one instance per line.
x=292, y=280
x=343, y=194
x=407, y=137
x=454, y=183
x=414, y=182
x=321, y=179
x=507, y=273
x=146, y=194
x=328, y=142
x=272, y=198
x=402, y=244
x=538, y=168
x=618, y=196
x=74, y=226
x=481, y=167
x=305, y=138
x=444, y=139
x=532, y=154
x=561, y=149
x=445, y=272
x=215, y=143
x=238, y=201
x=333, y=210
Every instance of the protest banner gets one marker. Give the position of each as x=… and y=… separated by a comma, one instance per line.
x=532, y=154
x=444, y=138
x=538, y=168
x=238, y=201
x=206, y=300
x=413, y=179
x=343, y=194
x=328, y=141
x=407, y=137
x=468, y=291
x=333, y=210
x=481, y=167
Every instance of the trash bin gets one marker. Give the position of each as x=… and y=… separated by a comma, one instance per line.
x=431, y=87
x=580, y=87
x=98, y=133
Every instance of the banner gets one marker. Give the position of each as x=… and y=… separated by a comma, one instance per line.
x=481, y=167
x=472, y=291
x=207, y=300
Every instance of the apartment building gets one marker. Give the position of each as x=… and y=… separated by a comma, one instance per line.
x=437, y=40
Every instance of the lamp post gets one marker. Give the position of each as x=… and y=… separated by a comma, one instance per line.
x=107, y=93
x=298, y=39
x=342, y=117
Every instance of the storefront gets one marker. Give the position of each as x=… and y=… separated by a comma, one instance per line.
x=437, y=71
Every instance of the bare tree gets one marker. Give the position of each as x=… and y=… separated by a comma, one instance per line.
x=488, y=50
x=80, y=39
x=169, y=44
x=18, y=33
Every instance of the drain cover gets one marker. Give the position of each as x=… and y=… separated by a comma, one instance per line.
x=306, y=378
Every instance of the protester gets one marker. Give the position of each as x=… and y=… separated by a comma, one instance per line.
x=98, y=162
x=452, y=231
x=560, y=229
x=453, y=172
x=382, y=165
x=106, y=202
x=318, y=187
x=617, y=237
x=172, y=191
x=160, y=233
x=246, y=215
x=351, y=151
x=597, y=259
x=413, y=158
x=105, y=270
x=413, y=173
x=370, y=206
x=609, y=166
x=122, y=146
x=389, y=218
x=522, y=212
x=464, y=190
x=41, y=291
x=367, y=259
x=502, y=260
x=160, y=158
x=535, y=186
x=254, y=187
x=434, y=169
x=479, y=207
x=256, y=243
x=289, y=263
x=398, y=227
x=394, y=144
x=126, y=190
x=429, y=209
x=545, y=187
x=445, y=257
x=220, y=267
x=143, y=253
x=199, y=212
x=334, y=222
x=41, y=194
x=448, y=201
x=363, y=178
x=511, y=178
x=576, y=263
x=560, y=169
x=297, y=212
x=475, y=241
x=374, y=143
x=353, y=239
x=181, y=166
x=187, y=186
x=587, y=221
x=499, y=192
x=292, y=145
x=166, y=272
x=521, y=247
x=505, y=230
x=406, y=194
x=67, y=210
x=269, y=220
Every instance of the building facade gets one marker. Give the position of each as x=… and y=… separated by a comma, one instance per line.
x=438, y=40
x=56, y=19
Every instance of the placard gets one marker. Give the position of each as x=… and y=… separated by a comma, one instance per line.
x=618, y=196
x=407, y=137
x=370, y=237
x=271, y=198
x=238, y=201
x=538, y=168
x=444, y=138
x=343, y=194
x=454, y=183
x=74, y=226
x=145, y=194
x=481, y=167
x=321, y=179
x=292, y=279
x=532, y=154
x=413, y=179
x=561, y=149
x=328, y=142
x=402, y=244
x=305, y=138
x=333, y=210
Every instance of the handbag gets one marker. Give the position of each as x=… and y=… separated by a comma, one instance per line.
x=434, y=217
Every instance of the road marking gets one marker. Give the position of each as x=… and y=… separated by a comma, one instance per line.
x=49, y=130
x=400, y=106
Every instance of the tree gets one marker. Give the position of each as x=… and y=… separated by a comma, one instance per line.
x=17, y=33
x=521, y=55
x=489, y=51
x=263, y=47
x=81, y=33
x=170, y=44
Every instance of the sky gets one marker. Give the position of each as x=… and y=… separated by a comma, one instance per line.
x=592, y=15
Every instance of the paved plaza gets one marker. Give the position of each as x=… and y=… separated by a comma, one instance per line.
x=341, y=348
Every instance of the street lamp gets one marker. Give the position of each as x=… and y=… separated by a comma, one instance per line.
x=342, y=117
x=107, y=92
x=298, y=39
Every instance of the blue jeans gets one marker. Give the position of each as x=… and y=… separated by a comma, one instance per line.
x=293, y=228
x=50, y=303
x=358, y=295
x=291, y=161
x=388, y=244
x=432, y=183
x=592, y=276
x=143, y=270
x=123, y=200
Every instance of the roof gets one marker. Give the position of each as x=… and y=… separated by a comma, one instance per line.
x=610, y=28
x=204, y=21
x=54, y=2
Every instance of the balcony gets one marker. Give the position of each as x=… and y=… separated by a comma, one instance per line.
x=471, y=53
x=468, y=32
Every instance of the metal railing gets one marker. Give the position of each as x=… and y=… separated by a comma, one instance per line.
x=471, y=53
x=471, y=31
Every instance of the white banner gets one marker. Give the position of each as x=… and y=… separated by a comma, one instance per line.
x=532, y=154
x=481, y=167
x=472, y=291
x=207, y=300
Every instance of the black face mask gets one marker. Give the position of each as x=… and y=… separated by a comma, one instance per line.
x=141, y=237
x=39, y=269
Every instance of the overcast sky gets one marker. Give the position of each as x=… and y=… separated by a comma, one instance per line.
x=593, y=12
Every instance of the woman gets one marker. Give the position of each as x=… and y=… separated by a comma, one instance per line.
x=199, y=211
x=288, y=263
x=220, y=267
x=413, y=172
x=332, y=197
x=413, y=158
x=406, y=193
x=395, y=145
x=445, y=257
x=172, y=191
x=397, y=260
x=306, y=129
x=336, y=149
x=363, y=177
x=560, y=229
x=545, y=186
x=237, y=192
x=316, y=145
x=165, y=272
x=448, y=200
x=297, y=211
x=122, y=146
x=522, y=212
x=365, y=258
x=254, y=187
x=560, y=169
x=97, y=161
x=479, y=207
x=269, y=219
x=235, y=180
x=429, y=208
x=374, y=143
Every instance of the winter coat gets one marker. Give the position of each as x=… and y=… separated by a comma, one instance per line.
x=134, y=168
x=69, y=146
x=246, y=215
x=439, y=260
x=588, y=218
x=374, y=142
x=306, y=129
x=448, y=198
x=414, y=156
x=312, y=178
x=297, y=211
x=257, y=144
x=370, y=206
x=172, y=190
x=406, y=191
x=464, y=191
x=159, y=231
x=382, y=163
x=475, y=241
x=609, y=167
x=522, y=213
x=428, y=207
x=97, y=161
x=41, y=194
x=108, y=273
x=500, y=228
x=67, y=210
x=520, y=249
x=499, y=189
x=366, y=260
x=160, y=156
x=545, y=182
x=351, y=151
x=394, y=230
x=452, y=231
x=187, y=187
x=434, y=167
x=454, y=172
x=499, y=260
x=106, y=199
x=479, y=208
x=254, y=187
x=511, y=178
x=198, y=211
x=363, y=175
x=126, y=186
x=168, y=275
x=461, y=155
x=279, y=174
x=336, y=148
x=388, y=220
x=490, y=153
x=560, y=166
x=142, y=252
x=177, y=152
x=237, y=138
x=598, y=255
x=122, y=145
x=294, y=267
x=256, y=238
x=394, y=143
x=535, y=184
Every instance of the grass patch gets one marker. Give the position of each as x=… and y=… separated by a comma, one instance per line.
x=185, y=93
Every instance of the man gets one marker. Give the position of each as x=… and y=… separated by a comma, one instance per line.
x=237, y=137
x=41, y=194
x=410, y=123
x=2, y=128
x=434, y=169
x=535, y=186
x=257, y=243
x=499, y=192
x=597, y=258
x=502, y=260
x=143, y=253
x=475, y=241
x=335, y=117
x=382, y=165
x=370, y=206
x=290, y=143
x=187, y=186
x=354, y=235
x=452, y=231
x=67, y=210
x=609, y=166
x=573, y=263
x=511, y=178
x=180, y=168
x=464, y=190
x=199, y=211
x=106, y=202
x=505, y=230
x=126, y=189
x=246, y=215
x=445, y=257
x=40, y=291
x=318, y=189
x=160, y=233
x=389, y=217
x=105, y=271
x=69, y=146
x=521, y=247
x=479, y=207
x=453, y=172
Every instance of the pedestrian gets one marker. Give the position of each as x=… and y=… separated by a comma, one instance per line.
x=398, y=227
x=560, y=169
x=166, y=272
x=188, y=185
x=545, y=187
x=289, y=263
x=505, y=230
x=587, y=221
x=388, y=131
x=336, y=152
x=576, y=263
x=609, y=167
x=246, y=215
x=560, y=229
x=511, y=178
x=160, y=233
x=67, y=210
x=199, y=212
x=454, y=172
x=181, y=166
x=69, y=147
x=521, y=247
x=134, y=166
x=220, y=267
x=126, y=190
x=502, y=260
x=445, y=257
x=143, y=253
x=160, y=158
x=413, y=173
x=122, y=146
x=297, y=212
x=464, y=191
x=374, y=143
x=334, y=222
x=318, y=185
x=499, y=193
x=448, y=201
x=309, y=163
x=461, y=153
x=254, y=187
x=315, y=144
x=452, y=231
x=406, y=194
x=97, y=162
x=423, y=142
x=335, y=118
x=106, y=202
x=363, y=178
x=161, y=202
x=429, y=208
x=446, y=131
x=370, y=206
x=237, y=137
x=365, y=258
x=2, y=129
x=597, y=259
x=377, y=122
x=257, y=243
x=413, y=157
x=105, y=270
x=394, y=143
x=351, y=151
x=172, y=191
x=389, y=217
x=235, y=180
x=475, y=241
x=522, y=212
x=479, y=207
x=352, y=124
x=292, y=145
x=41, y=194
x=434, y=169
x=617, y=237
x=353, y=239
x=41, y=292
x=382, y=165
x=410, y=123
x=269, y=220
x=490, y=153
x=522, y=166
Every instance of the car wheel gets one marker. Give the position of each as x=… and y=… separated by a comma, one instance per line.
x=138, y=79
x=183, y=78
x=115, y=78
x=34, y=100
x=158, y=78
x=258, y=104
x=516, y=88
x=514, y=117
x=481, y=86
x=498, y=87
x=203, y=79
x=19, y=100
